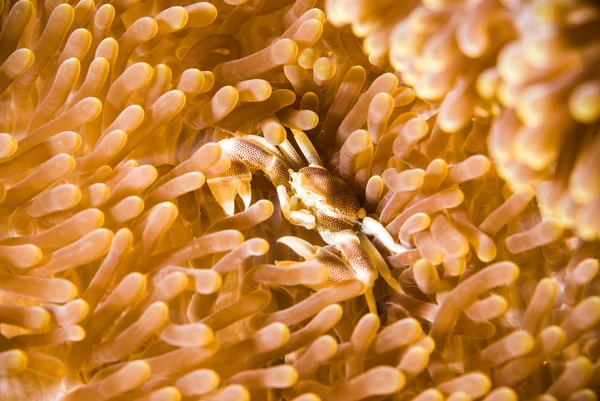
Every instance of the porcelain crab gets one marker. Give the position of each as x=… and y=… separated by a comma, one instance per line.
x=312, y=197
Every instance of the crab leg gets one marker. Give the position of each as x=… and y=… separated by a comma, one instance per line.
x=338, y=269
x=348, y=243
x=373, y=227
x=380, y=264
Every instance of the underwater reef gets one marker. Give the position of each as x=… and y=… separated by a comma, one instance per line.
x=267, y=200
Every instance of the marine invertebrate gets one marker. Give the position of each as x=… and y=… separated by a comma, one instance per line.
x=131, y=269
x=312, y=198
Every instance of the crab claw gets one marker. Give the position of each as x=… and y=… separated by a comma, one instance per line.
x=246, y=154
x=257, y=154
x=230, y=183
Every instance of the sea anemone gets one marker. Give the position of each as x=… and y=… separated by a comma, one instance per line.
x=140, y=260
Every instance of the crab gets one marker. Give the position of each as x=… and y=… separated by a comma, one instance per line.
x=312, y=197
